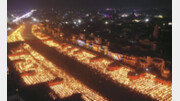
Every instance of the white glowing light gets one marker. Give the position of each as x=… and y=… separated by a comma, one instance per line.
x=124, y=15
x=12, y=15
x=106, y=22
x=66, y=22
x=47, y=20
x=91, y=20
x=74, y=22
x=87, y=14
x=79, y=21
x=146, y=20
x=136, y=20
x=170, y=23
x=24, y=16
x=158, y=16
x=147, y=69
x=9, y=28
x=34, y=19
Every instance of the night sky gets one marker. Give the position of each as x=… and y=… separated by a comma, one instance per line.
x=28, y=4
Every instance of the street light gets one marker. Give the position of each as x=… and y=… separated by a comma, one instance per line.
x=9, y=28
x=146, y=20
x=79, y=21
x=106, y=22
x=91, y=20
x=170, y=23
x=34, y=19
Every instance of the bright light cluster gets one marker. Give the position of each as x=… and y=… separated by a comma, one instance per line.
x=71, y=86
x=84, y=57
x=68, y=81
x=81, y=55
x=16, y=35
x=46, y=71
x=144, y=85
x=26, y=62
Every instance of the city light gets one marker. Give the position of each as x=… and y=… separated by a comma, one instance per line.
x=106, y=22
x=79, y=21
x=47, y=20
x=124, y=15
x=87, y=15
x=147, y=69
x=91, y=20
x=75, y=22
x=9, y=28
x=34, y=19
x=66, y=22
x=170, y=23
x=146, y=20
x=136, y=20
x=158, y=16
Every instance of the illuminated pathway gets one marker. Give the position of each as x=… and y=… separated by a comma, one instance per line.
x=147, y=84
x=85, y=74
x=34, y=69
x=16, y=35
x=83, y=66
x=82, y=72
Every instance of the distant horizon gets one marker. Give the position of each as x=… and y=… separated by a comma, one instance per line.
x=130, y=8
x=88, y=4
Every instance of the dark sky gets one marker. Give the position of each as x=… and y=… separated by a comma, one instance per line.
x=25, y=4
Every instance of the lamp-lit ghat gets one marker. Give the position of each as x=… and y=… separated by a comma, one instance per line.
x=34, y=69
x=146, y=84
x=16, y=35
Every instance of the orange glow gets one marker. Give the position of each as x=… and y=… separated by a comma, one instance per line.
x=144, y=84
x=46, y=71
x=16, y=35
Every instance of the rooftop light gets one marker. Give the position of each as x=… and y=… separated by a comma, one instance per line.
x=146, y=20
x=106, y=22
